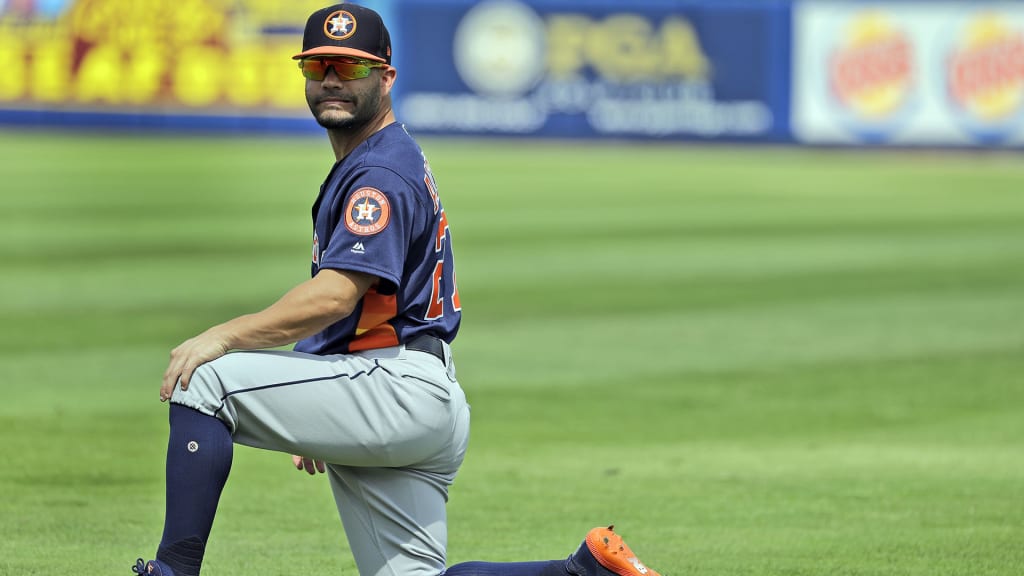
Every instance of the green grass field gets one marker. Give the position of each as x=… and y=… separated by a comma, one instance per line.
x=753, y=361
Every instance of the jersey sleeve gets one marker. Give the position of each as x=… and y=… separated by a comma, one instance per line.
x=373, y=227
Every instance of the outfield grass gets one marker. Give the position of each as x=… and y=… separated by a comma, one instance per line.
x=753, y=361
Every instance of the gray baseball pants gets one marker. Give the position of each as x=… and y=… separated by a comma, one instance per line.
x=391, y=424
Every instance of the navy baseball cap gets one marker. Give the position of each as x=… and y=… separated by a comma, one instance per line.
x=346, y=30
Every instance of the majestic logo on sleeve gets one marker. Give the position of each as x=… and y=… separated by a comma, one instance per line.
x=368, y=212
x=340, y=25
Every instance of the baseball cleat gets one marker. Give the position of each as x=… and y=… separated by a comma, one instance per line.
x=152, y=568
x=603, y=553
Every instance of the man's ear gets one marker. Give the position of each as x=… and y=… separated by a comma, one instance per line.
x=387, y=78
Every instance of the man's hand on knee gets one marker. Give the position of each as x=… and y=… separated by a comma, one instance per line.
x=189, y=355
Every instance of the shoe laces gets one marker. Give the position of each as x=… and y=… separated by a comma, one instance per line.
x=140, y=567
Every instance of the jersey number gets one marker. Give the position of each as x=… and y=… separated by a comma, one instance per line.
x=436, y=308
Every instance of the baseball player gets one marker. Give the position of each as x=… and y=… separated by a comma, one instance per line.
x=369, y=394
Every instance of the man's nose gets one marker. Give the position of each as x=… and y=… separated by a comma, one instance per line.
x=331, y=77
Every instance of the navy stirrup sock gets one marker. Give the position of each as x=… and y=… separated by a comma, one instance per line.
x=545, y=568
x=199, y=453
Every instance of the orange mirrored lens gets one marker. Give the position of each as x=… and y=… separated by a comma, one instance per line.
x=345, y=68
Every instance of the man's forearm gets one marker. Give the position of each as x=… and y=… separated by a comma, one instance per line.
x=303, y=311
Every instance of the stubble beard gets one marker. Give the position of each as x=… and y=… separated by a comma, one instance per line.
x=366, y=106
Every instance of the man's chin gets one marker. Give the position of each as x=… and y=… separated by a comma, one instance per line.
x=335, y=119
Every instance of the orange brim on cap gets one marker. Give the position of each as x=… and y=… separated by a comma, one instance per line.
x=337, y=51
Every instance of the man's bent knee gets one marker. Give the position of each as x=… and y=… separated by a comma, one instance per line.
x=205, y=391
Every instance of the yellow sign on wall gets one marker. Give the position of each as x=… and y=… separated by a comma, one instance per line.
x=176, y=55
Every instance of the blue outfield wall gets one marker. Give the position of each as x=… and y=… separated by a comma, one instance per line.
x=819, y=72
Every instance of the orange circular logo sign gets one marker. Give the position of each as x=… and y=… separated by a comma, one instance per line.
x=368, y=212
x=986, y=69
x=872, y=68
x=340, y=25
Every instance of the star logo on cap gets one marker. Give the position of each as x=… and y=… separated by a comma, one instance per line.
x=340, y=25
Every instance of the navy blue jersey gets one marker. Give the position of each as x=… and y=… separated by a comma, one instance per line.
x=378, y=212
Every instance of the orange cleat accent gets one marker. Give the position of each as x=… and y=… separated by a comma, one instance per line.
x=612, y=553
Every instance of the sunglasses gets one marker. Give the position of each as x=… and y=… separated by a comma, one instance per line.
x=345, y=68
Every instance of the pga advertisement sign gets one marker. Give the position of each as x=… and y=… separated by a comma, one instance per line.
x=639, y=69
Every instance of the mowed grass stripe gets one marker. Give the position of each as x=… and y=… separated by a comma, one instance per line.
x=940, y=400
x=769, y=338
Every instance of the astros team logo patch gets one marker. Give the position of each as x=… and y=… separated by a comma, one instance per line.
x=368, y=212
x=340, y=25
